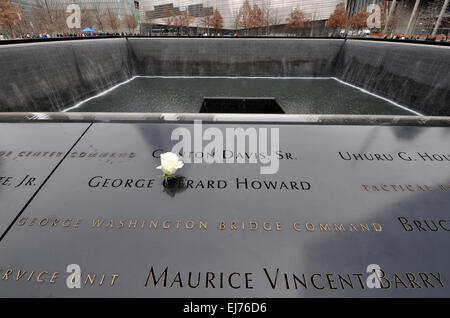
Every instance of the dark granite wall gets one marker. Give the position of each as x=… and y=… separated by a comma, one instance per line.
x=51, y=76
x=414, y=75
x=235, y=57
x=55, y=75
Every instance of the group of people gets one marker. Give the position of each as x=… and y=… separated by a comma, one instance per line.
x=436, y=38
x=64, y=35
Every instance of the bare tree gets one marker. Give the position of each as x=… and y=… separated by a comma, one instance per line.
x=169, y=17
x=112, y=20
x=206, y=21
x=313, y=17
x=270, y=17
x=275, y=19
x=149, y=20
x=98, y=16
x=266, y=12
x=87, y=18
x=130, y=22
x=38, y=22
x=206, y=18
x=49, y=16
x=235, y=16
x=175, y=22
x=186, y=20
x=182, y=21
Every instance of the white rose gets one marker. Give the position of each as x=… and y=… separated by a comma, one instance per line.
x=170, y=163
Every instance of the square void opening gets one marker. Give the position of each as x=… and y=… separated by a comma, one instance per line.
x=241, y=105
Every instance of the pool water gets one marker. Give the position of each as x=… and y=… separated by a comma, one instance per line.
x=186, y=94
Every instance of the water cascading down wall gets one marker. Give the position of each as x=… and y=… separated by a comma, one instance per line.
x=51, y=76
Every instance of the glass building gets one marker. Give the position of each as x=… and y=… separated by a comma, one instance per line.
x=420, y=22
x=354, y=6
x=152, y=11
x=120, y=7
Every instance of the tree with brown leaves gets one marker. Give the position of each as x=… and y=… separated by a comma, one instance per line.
x=297, y=20
x=249, y=17
x=243, y=18
x=10, y=16
x=256, y=17
x=339, y=18
x=359, y=20
x=217, y=20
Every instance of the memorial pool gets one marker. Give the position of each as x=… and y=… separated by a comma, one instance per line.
x=186, y=94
